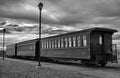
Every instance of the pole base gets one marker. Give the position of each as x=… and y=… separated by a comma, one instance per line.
x=3, y=58
x=39, y=65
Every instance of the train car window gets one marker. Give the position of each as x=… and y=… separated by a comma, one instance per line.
x=74, y=41
x=70, y=43
x=84, y=41
x=42, y=45
x=49, y=44
x=46, y=44
x=52, y=44
x=100, y=39
x=58, y=43
x=55, y=44
x=62, y=45
x=66, y=42
x=79, y=41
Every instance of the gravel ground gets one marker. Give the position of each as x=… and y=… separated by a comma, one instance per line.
x=14, y=69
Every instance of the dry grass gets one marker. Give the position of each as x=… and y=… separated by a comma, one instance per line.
x=12, y=69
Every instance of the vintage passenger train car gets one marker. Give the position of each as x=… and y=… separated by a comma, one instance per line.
x=91, y=46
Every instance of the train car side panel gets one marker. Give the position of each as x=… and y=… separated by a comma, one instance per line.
x=26, y=48
x=77, y=53
x=69, y=46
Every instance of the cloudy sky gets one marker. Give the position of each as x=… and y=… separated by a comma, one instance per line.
x=20, y=17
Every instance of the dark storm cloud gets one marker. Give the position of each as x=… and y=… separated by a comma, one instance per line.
x=109, y=8
x=87, y=11
x=58, y=17
x=23, y=9
x=9, y=2
x=62, y=11
x=19, y=9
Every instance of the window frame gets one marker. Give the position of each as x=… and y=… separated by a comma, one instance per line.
x=66, y=42
x=84, y=40
x=74, y=42
x=79, y=41
x=69, y=42
x=58, y=43
x=62, y=42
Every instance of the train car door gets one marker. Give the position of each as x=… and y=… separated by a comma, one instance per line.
x=109, y=51
x=97, y=45
x=102, y=46
x=105, y=46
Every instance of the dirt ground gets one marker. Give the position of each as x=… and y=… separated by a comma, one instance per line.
x=12, y=68
x=17, y=69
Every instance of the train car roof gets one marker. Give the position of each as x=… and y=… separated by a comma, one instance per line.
x=86, y=30
x=103, y=29
x=33, y=40
x=11, y=44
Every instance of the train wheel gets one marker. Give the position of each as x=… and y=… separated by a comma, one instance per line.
x=103, y=63
x=97, y=63
x=85, y=62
